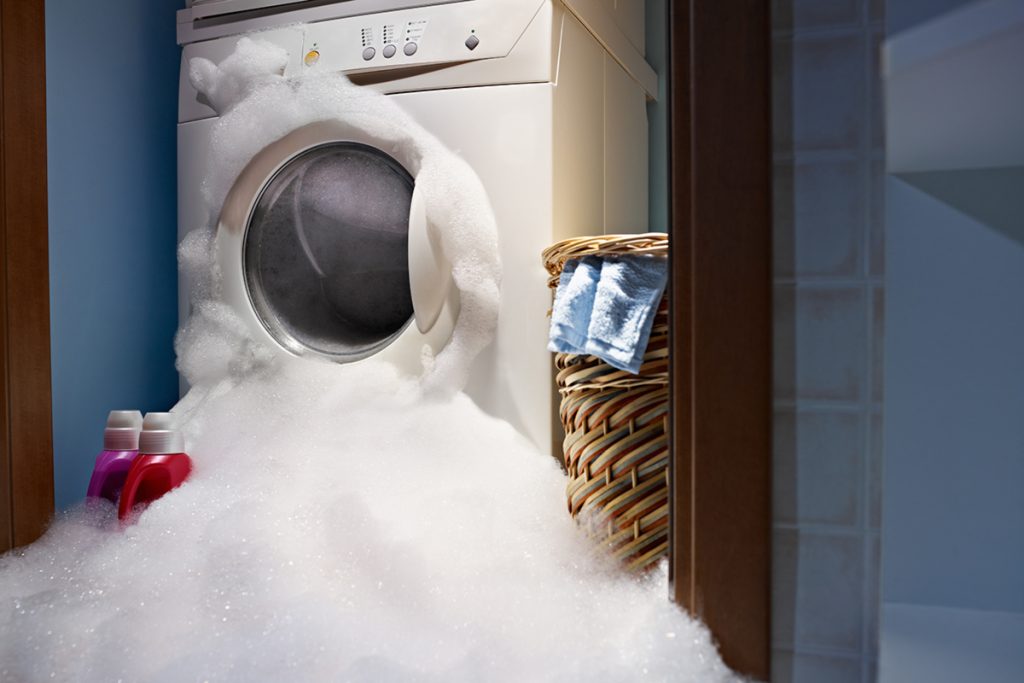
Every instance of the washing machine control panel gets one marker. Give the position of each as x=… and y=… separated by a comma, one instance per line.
x=387, y=38
x=455, y=32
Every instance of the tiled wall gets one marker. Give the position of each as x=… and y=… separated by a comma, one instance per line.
x=829, y=276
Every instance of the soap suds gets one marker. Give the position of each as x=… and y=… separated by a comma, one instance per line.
x=342, y=522
x=271, y=106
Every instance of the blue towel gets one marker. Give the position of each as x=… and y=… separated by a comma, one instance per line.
x=574, y=300
x=606, y=307
x=627, y=298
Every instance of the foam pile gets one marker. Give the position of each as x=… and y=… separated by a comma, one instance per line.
x=341, y=522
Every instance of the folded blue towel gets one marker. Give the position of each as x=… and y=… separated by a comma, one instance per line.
x=606, y=307
x=627, y=298
x=574, y=300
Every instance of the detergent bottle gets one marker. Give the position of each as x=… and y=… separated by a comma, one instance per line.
x=120, y=448
x=161, y=465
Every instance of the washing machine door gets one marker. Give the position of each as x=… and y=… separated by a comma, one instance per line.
x=324, y=246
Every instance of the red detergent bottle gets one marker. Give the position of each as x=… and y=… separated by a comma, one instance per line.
x=120, y=448
x=161, y=465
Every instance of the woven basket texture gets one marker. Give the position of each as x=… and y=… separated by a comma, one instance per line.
x=616, y=425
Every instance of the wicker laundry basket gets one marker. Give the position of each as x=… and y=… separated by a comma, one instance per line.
x=616, y=425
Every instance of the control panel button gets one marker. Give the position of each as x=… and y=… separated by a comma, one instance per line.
x=410, y=49
x=368, y=53
x=472, y=42
x=389, y=51
x=312, y=57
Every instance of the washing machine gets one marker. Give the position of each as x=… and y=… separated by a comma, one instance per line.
x=545, y=100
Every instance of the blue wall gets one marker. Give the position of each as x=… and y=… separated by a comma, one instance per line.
x=112, y=69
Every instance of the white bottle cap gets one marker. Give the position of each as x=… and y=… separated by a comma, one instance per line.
x=122, y=432
x=160, y=435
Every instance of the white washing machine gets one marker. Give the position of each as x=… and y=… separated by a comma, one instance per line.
x=545, y=99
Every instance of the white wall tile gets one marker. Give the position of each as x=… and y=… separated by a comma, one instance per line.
x=818, y=467
x=877, y=122
x=830, y=591
x=785, y=569
x=875, y=455
x=876, y=11
x=783, y=223
x=829, y=255
x=802, y=667
x=782, y=666
x=828, y=92
x=802, y=14
x=830, y=343
x=873, y=601
x=808, y=668
x=830, y=208
x=820, y=343
x=784, y=342
x=877, y=344
x=782, y=96
x=785, y=469
x=876, y=251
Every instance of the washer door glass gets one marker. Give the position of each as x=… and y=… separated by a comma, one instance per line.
x=326, y=252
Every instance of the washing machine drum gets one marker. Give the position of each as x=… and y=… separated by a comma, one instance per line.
x=326, y=251
x=326, y=257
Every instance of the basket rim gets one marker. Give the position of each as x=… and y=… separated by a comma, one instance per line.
x=555, y=256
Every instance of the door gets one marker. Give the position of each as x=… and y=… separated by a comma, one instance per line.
x=26, y=452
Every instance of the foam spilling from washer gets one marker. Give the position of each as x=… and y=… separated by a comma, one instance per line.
x=258, y=106
x=342, y=522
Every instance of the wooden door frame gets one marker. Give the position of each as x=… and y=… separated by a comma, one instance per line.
x=720, y=215
x=26, y=437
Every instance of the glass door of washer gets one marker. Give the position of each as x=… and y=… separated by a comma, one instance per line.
x=325, y=252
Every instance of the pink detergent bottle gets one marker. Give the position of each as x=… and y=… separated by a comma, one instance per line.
x=120, y=448
x=161, y=465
